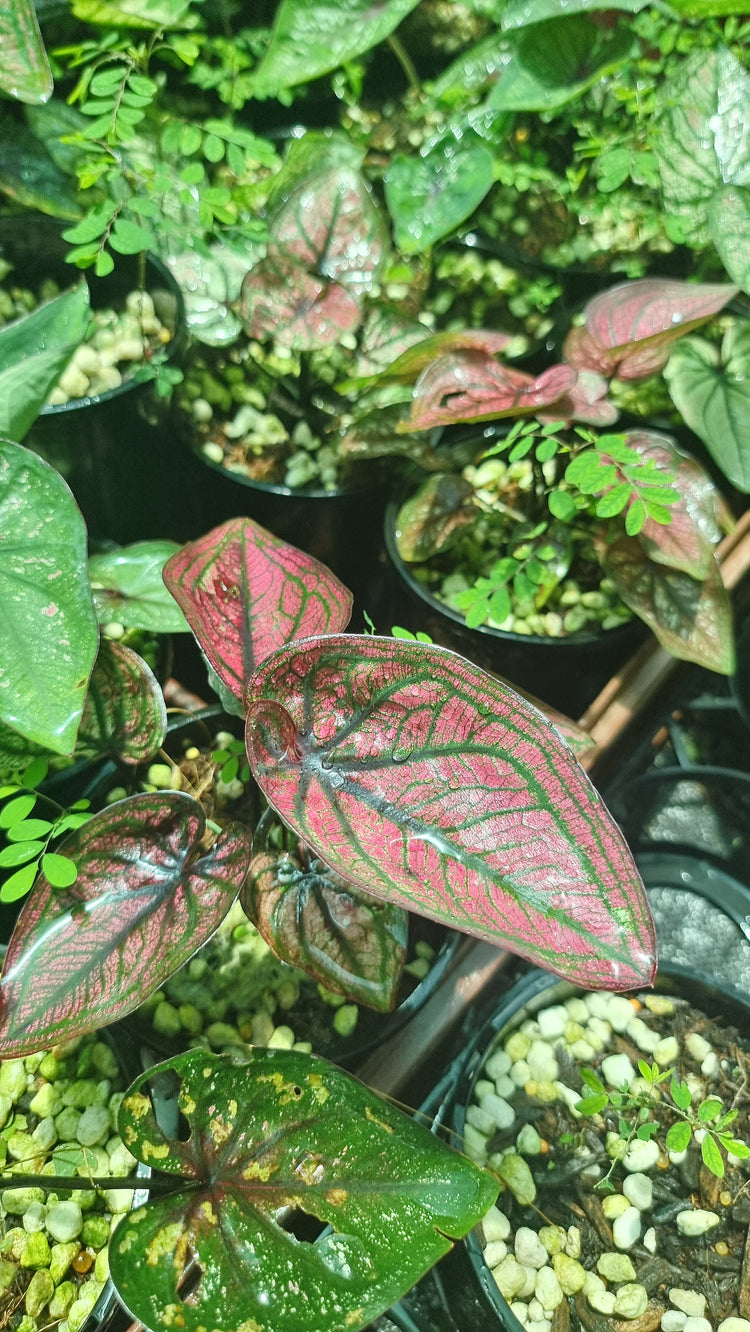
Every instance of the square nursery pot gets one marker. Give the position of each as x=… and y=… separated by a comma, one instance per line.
x=111, y=447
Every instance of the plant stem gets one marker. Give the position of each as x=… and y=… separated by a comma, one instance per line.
x=406, y=63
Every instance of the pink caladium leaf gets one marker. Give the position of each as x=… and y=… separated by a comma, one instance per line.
x=629, y=329
x=148, y=894
x=691, y=617
x=429, y=783
x=585, y=401
x=351, y=942
x=244, y=592
x=473, y=386
x=430, y=520
x=687, y=541
x=124, y=712
x=410, y=364
x=331, y=225
x=282, y=301
x=386, y=334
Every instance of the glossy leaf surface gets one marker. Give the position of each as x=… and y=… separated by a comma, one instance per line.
x=331, y=225
x=410, y=364
x=244, y=593
x=429, y=783
x=429, y=197
x=310, y=40
x=471, y=386
x=286, y=1133
x=691, y=617
x=48, y=632
x=147, y=896
x=431, y=519
x=555, y=60
x=687, y=541
x=351, y=942
x=520, y=13
x=34, y=351
x=629, y=329
x=124, y=713
x=128, y=586
x=282, y=301
x=711, y=389
x=24, y=69
x=729, y=224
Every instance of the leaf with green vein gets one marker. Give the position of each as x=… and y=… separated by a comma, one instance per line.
x=702, y=137
x=128, y=586
x=34, y=351
x=24, y=70
x=711, y=389
x=429, y=783
x=429, y=196
x=691, y=617
x=125, y=714
x=279, y=1133
x=557, y=59
x=310, y=40
x=521, y=13
x=351, y=942
x=729, y=225
x=48, y=632
x=282, y=301
x=473, y=386
x=244, y=592
x=146, y=896
x=432, y=518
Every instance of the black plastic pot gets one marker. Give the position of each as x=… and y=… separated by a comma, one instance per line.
x=567, y=673
x=463, y=1286
x=122, y=467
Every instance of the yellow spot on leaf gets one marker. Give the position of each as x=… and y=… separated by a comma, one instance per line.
x=137, y=1105
x=256, y=1171
x=219, y=1130
x=354, y=1316
x=151, y=1152
x=173, y=1316
x=232, y=1108
x=187, y=1104
x=208, y=1213
x=165, y=1241
x=387, y=1128
x=337, y=1196
x=315, y=1083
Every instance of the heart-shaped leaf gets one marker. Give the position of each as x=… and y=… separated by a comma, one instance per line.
x=148, y=894
x=127, y=586
x=629, y=329
x=282, y=301
x=691, y=617
x=30, y=176
x=687, y=541
x=274, y=1142
x=331, y=225
x=471, y=386
x=729, y=224
x=557, y=59
x=702, y=136
x=430, y=783
x=34, y=351
x=711, y=389
x=24, y=69
x=48, y=632
x=245, y=592
x=520, y=13
x=308, y=41
x=351, y=942
x=125, y=713
x=431, y=519
x=429, y=197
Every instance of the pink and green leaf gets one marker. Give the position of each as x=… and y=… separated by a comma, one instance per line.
x=429, y=783
x=629, y=329
x=147, y=895
x=24, y=71
x=244, y=593
x=585, y=401
x=352, y=943
x=330, y=225
x=431, y=519
x=473, y=386
x=411, y=362
x=124, y=713
x=278, y=1136
x=283, y=302
x=691, y=617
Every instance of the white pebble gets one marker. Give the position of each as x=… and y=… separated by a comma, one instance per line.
x=639, y=1190
x=552, y=1022
x=498, y=1064
x=542, y=1062
x=582, y=1050
x=734, y=1325
x=649, y=1240
x=710, y=1065
x=598, y=1029
x=667, y=1051
x=576, y=1009
x=617, y=1070
x=689, y=1302
x=631, y=1301
x=548, y=1290
x=602, y=1300
x=642, y=1035
x=495, y=1252
x=529, y=1249
x=697, y=1046
x=510, y=1277
x=528, y=1141
x=641, y=1156
x=520, y=1073
x=696, y=1222
x=500, y=1113
x=619, y=1012
x=615, y=1204
x=477, y=1116
x=521, y=1311
x=597, y=1003
x=505, y=1086
x=65, y=1221
x=673, y=1321
x=626, y=1229
x=495, y=1225
x=693, y=1324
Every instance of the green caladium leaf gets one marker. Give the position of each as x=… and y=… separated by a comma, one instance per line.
x=279, y=1136
x=148, y=893
x=691, y=617
x=29, y=175
x=556, y=60
x=135, y=13
x=429, y=783
x=34, y=351
x=312, y=39
x=125, y=714
x=245, y=592
x=48, y=632
x=434, y=517
x=519, y=13
x=729, y=224
x=127, y=586
x=702, y=138
x=310, y=917
x=710, y=387
x=429, y=197
x=473, y=386
x=24, y=70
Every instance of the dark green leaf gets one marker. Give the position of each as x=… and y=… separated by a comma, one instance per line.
x=429, y=197
x=127, y=586
x=562, y=505
x=555, y=60
x=34, y=351
x=35, y=772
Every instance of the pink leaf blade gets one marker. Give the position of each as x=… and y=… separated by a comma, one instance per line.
x=423, y=780
x=281, y=301
x=411, y=362
x=244, y=593
x=472, y=386
x=146, y=897
x=687, y=542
